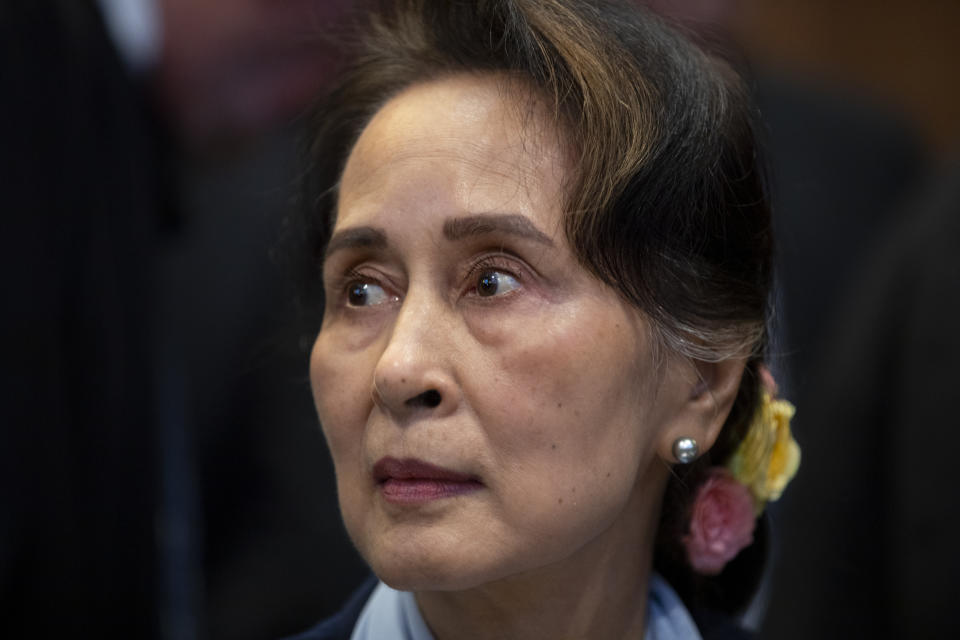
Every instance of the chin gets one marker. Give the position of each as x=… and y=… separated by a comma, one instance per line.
x=427, y=566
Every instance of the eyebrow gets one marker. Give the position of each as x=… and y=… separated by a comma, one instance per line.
x=453, y=229
x=356, y=238
x=484, y=224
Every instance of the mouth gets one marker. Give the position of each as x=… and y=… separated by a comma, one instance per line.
x=412, y=481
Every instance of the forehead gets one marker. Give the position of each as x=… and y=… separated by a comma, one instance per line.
x=469, y=143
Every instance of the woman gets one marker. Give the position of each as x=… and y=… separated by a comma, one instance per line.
x=545, y=252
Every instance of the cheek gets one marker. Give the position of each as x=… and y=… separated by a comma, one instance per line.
x=340, y=380
x=565, y=408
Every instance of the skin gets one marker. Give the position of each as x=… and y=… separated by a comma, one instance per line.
x=547, y=392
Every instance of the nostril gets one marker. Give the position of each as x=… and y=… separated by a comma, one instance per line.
x=429, y=399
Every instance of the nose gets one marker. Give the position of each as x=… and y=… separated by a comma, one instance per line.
x=414, y=375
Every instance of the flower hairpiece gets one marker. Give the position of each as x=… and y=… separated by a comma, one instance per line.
x=768, y=457
x=721, y=522
x=728, y=502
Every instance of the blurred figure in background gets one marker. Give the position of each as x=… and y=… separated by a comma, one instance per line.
x=869, y=540
x=104, y=417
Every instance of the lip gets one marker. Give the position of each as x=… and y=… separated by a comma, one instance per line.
x=412, y=481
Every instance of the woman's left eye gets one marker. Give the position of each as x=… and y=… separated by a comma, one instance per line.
x=493, y=282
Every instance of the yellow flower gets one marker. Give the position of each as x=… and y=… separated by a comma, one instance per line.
x=768, y=457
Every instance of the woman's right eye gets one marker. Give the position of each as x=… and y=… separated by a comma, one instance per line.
x=366, y=294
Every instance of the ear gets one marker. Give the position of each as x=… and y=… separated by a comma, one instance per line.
x=701, y=395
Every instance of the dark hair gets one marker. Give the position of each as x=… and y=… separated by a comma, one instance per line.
x=667, y=204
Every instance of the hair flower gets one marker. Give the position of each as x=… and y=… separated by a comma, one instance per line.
x=721, y=522
x=768, y=457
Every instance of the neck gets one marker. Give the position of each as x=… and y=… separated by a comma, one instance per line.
x=598, y=592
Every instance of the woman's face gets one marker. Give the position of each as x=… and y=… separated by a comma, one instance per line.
x=487, y=402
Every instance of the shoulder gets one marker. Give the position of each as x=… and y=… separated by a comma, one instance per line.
x=340, y=625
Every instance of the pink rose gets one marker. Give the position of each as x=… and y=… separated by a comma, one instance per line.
x=721, y=522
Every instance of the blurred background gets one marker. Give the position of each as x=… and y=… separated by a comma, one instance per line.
x=163, y=473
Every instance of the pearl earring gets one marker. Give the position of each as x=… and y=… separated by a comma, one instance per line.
x=685, y=450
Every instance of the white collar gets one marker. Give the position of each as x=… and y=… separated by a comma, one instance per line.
x=136, y=30
x=393, y=615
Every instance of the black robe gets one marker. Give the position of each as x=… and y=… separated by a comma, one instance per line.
x=83, y=200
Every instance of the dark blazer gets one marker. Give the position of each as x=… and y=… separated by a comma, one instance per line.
x=713, y=626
